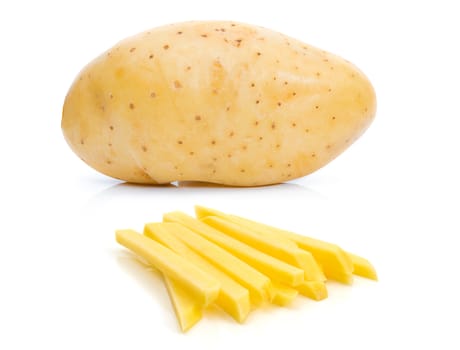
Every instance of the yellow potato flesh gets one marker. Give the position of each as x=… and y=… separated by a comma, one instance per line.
x=289, y=253
x=198, y=283
x=315, y=290
x=334, y=261
x=275, y=269
x=362, y=267
x=187, y=309
x=258, y=284
x=233, y=298
x=215, y=101
x=283, y=295
x=311, y=268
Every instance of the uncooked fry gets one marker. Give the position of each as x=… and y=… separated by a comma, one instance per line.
x=233, y=298
x=186, y=307
x=258, y=284
x=308, y=263
x=284, y=250
x=334, y=261
x=362, y=267
x=315, y=290
x=198, y=283
x=283, y=295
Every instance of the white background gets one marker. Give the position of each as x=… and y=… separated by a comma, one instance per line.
x=392, y=197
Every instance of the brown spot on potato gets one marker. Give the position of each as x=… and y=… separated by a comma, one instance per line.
x=111, y=127
x=108, y=161
x=177, y=84
x=294, y=93
x=242, y=170
x=110, y=96
x=333, y=118
x=151, y=56
x=165, y=47
x=131, y=105
x=144, y=148
x=109, y=144
x=237, y=42
x=132, y=49
x=273, y=126
x=293, y=125
x=229, y=155
x=231, y=134
x=213, y=142
x=279, y=104
x=259, y=53
x=257, y=102
x=316, y=107
x=191, y=153
x=179, y=32
x=180, y=142
x=253, y=84
x=153, y=94
x=261, y=138
x=82, y=142
x=204, y=35
x=198, y=117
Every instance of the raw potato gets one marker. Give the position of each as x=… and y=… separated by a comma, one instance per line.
x=219, y=102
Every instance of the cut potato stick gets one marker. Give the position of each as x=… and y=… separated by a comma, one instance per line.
x=186, y=308
x=258, y=284
x=233, y=298
x=335, y=262
x=315, y=290
x=362, y=267
x=273, y=268
x=283, y=295
x=277, y=248
x=242, y=229
x=198, y=283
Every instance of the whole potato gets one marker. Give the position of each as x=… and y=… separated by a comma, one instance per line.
x=219, y=102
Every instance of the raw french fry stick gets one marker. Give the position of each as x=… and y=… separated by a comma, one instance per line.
x=315, y=290
x=311, y=268
x=259, y=285
x=275, y=269
x=186, y=308
x=335, y=262
x=362, y=267
x=198, y=283
x=284, y=295
x=233, y=298
x=289, y=253
x=268, y=265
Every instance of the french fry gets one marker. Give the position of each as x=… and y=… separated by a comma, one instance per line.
x=198, y=283
x=233, y=297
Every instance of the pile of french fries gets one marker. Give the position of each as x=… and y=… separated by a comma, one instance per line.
x=237, y=263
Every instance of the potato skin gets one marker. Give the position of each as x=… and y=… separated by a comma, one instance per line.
x=220, y=102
